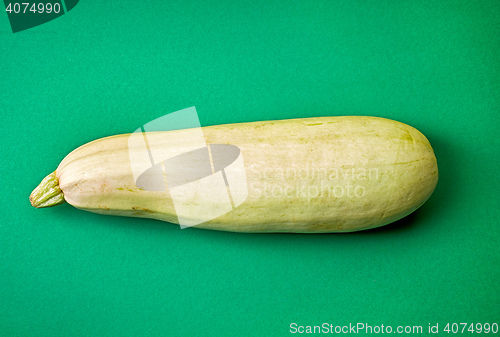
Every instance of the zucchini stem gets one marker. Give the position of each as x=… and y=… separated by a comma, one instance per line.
x=48, y=193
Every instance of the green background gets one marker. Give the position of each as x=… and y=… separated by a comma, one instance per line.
x=108, y=68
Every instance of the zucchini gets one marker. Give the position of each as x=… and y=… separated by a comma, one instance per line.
x=309, y=175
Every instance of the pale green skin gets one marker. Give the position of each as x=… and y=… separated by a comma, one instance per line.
x=97, y=176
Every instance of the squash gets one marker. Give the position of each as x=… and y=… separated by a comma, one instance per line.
x=309, y=175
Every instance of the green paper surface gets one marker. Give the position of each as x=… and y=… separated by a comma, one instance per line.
x=106, y=68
